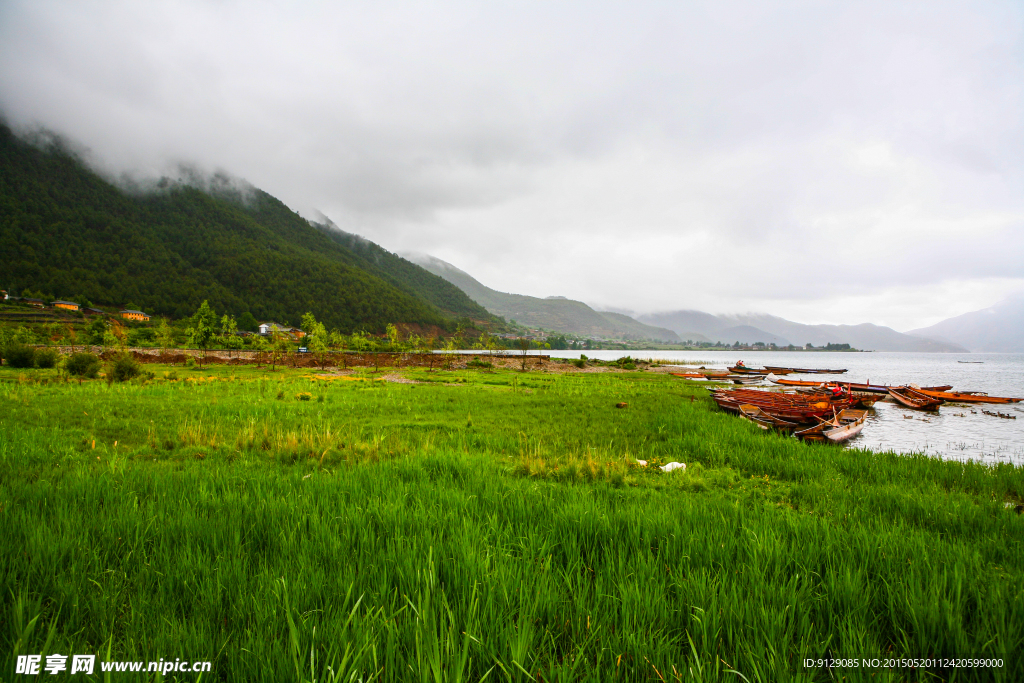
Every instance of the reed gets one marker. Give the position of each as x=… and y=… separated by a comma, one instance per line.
x=484, y=524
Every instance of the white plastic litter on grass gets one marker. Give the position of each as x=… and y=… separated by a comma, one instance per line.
x=665, y=468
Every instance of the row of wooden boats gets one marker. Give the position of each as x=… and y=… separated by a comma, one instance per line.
x=809, y=416
x=830, y=410
x=911, y=393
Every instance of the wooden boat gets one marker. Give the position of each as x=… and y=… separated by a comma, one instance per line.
x=866, y=400
x=851, y=422
x=842, y=427
x=792, y=382
x=789, y=407
x=798, y=414
x=755, y=395
x=765, y=420
x=943, y=387
x=968, y=396
x=861, y=399
x=701, y=375
x=746, y=379
x=852, y=386
x=914, y=399
x=744, y=370
x=804, y=371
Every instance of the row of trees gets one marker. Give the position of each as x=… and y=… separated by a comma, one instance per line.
x=205, y=330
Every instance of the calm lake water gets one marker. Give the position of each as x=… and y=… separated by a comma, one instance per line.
x=958, y=431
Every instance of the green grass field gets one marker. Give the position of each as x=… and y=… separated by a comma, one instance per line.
x=482, y=524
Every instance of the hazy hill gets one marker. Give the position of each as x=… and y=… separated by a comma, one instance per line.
x=68, y=233
x=753, y=328
x=555, y=313
x=999, y=328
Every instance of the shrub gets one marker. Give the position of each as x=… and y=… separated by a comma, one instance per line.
x=303, y=396
x=46, y=358
x=123, y=369
x=580, y=363
x=477, y=363
x=20, y=356
x=83, y=365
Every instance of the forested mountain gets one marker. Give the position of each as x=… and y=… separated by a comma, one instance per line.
x=555, y=313
x=70, y=234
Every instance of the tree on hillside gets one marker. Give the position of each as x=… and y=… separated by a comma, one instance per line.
x=120, y=334
x=339, y=341
x=71, y=337
x=109, y=339
x=96, y=330
x=359, y=341
x=278, y=347
x=449, y=353
x=164, y=335
x=229, y=338
x=317, y=340
x=524, y=344
x=260, y=346
x=427, y=345
x=201, y=329
x=392, y=334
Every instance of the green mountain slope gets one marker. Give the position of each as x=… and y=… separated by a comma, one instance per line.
x=68, y=233
x=558, y=314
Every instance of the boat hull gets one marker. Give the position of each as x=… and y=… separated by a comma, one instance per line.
x=804, y=371
x=912, y=399
x=960, y=397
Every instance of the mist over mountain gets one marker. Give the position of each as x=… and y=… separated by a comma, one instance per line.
x=999, y=328
x=168, y=245
x=552, y=313
x=752, y=328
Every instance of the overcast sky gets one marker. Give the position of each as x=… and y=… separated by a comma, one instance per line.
x=826, y=162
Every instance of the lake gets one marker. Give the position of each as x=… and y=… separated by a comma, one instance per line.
x=957, y=431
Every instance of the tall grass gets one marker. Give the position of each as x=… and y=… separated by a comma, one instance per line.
x=492, y=527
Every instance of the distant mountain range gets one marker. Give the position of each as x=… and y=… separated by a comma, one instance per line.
x=752, y=328
x=554, y=313
x=999, y=328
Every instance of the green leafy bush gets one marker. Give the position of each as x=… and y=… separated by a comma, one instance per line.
x=83, y=364
x=123, y=369
x=20, y=356
x=47, y=358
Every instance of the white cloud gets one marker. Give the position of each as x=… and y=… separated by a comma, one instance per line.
x=832, y=162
